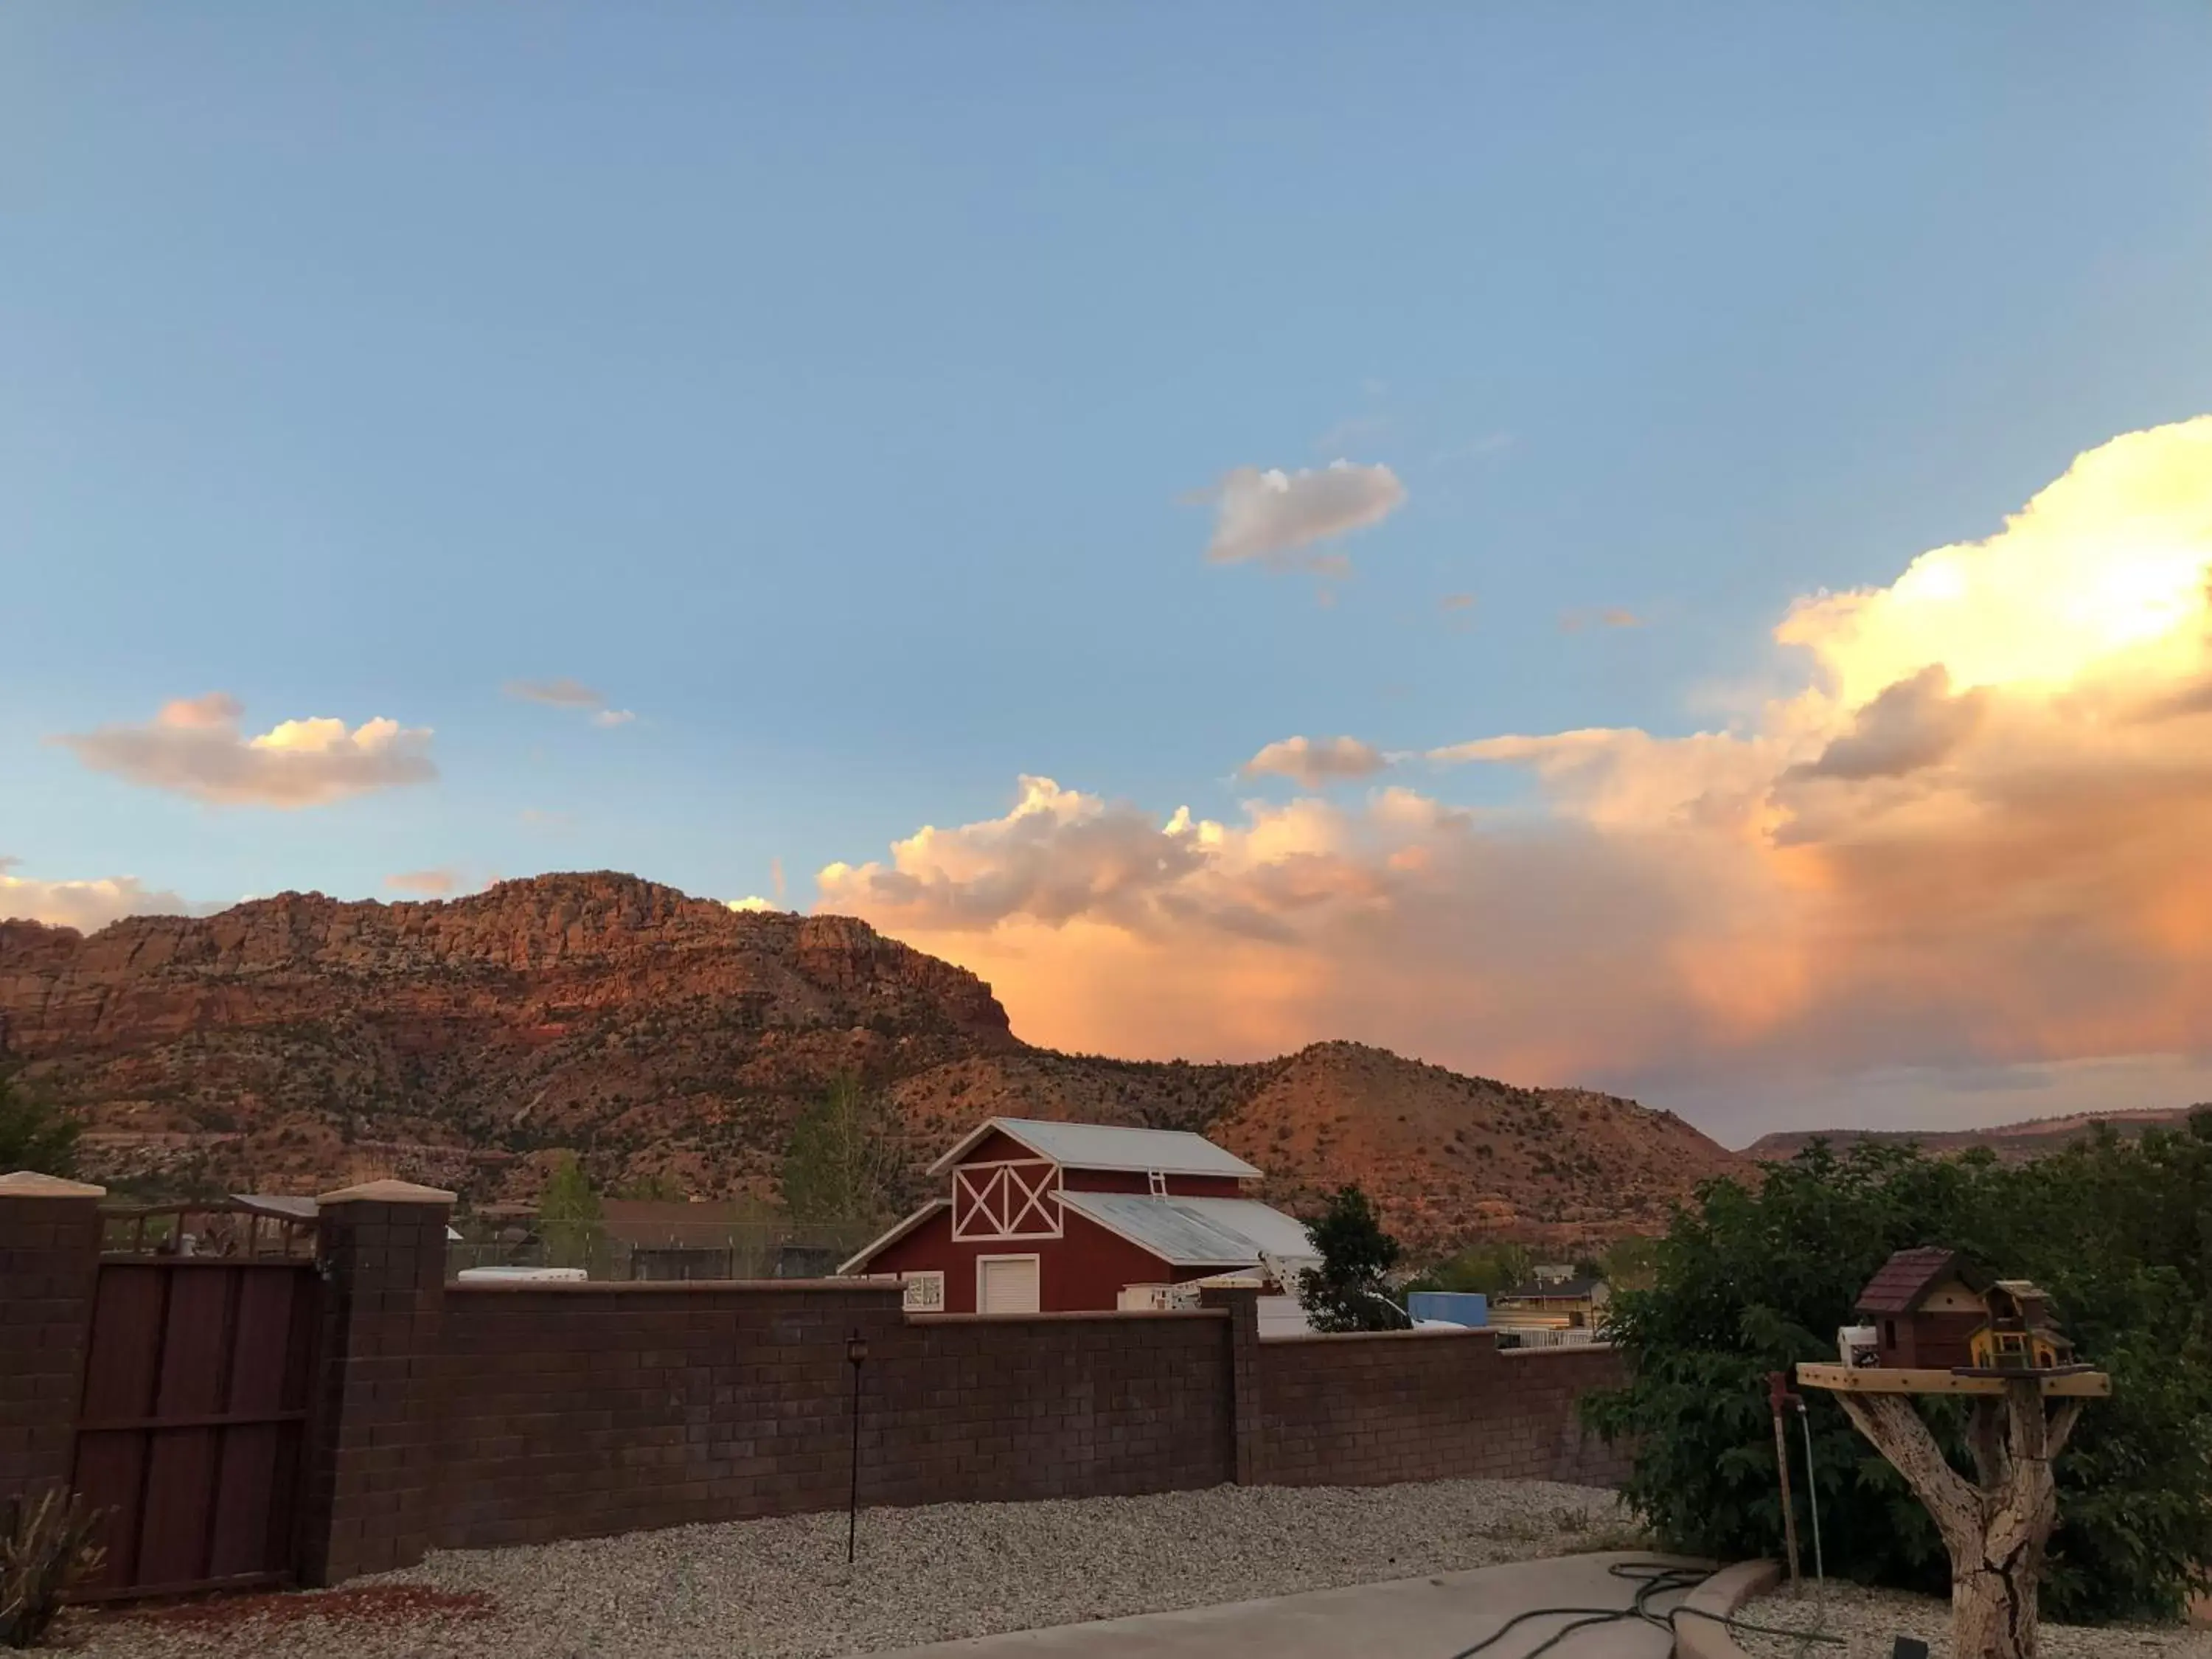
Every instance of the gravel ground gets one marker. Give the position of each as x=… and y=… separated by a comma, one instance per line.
x=1869, y=1621
x=781, y=1590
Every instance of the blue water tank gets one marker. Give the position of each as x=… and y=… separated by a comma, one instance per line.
x=1468, y=1308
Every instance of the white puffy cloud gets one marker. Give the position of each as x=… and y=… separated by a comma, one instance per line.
x=1058, y=854
x=752, y=902
x=1271, y=514
x=1973, y=840
x=195, y=747
x=86, y=906
x=1316, y=761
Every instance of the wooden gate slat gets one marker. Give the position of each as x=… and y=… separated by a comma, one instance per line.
x=192, y=1357
x=238, y=1532
x=172, y=1535
x=260, y=1347
x=110, y=1471
x=126, y=1341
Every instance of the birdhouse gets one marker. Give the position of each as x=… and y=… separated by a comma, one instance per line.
x=2018, y=1335
x=1932, y=1308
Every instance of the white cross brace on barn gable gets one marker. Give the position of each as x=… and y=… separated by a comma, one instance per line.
x=1019, y=1198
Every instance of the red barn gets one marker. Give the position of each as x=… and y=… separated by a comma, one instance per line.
x=1062, y=1218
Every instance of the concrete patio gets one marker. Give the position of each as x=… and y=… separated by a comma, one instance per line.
x=1430, y=1618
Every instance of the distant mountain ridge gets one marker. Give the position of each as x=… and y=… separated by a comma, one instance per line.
x=299, y=1043
x=2013, y=1143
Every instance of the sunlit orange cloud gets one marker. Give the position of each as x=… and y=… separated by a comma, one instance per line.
x=1978, y=834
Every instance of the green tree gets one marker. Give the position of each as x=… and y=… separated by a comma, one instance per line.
x=34, y=1135
x=1348, y=1290
x=568, y=1195
x=842, y=1162
x=569, y=1214
x=1630, y=1264
x=1749, y=1282
x=1492, y=1266
x=659, y=1188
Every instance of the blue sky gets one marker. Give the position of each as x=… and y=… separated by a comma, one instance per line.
x=831, y=387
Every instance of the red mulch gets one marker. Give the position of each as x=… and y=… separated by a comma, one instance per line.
x=368, y=1604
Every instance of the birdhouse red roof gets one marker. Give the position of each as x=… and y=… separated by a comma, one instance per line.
x=1907, y=1277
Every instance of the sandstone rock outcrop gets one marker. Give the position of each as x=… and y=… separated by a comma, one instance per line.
x=299, y=1043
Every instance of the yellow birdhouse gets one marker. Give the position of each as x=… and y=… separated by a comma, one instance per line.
x=2018, y=1335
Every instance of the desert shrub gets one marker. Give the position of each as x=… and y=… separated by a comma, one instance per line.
x=47, y=1543
x=1747, y=1282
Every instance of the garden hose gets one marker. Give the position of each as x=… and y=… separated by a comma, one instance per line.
x=1652, y=1579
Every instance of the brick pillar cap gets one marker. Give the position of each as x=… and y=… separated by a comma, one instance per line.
x=25, y=1183
x=387, y=1192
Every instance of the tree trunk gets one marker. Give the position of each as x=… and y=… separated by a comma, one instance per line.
x=1995, y=1532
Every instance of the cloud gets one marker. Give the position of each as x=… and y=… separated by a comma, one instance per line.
x=1955, y=845
x=1456, y=601
x=1315, y=761
x=86, y=906
x=752, y=902
x=1271, y=514
x=435, y=883
x=194, y=747
x=1574, y=621
x=570, y=694
x=1059, y=854
x=1916, y=723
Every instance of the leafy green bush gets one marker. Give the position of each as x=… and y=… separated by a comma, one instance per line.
x=1489, y=1268
x=2120, y=1234
x=35, y=1135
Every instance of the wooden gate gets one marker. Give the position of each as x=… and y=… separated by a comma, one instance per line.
x=194, y=1419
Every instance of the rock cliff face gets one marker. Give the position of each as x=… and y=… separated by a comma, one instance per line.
x=297, y=1043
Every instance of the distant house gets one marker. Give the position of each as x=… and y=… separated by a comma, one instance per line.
x=1934, y=1308
x=1066, y=1217
x=1555, y=1297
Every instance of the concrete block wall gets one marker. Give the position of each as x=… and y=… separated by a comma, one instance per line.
x=1395, y=1405
x=580, y=1410
x=367, y=1504
x=461, y=1417
x=573, y=1411
x=982, y=1410
x=48, y=1258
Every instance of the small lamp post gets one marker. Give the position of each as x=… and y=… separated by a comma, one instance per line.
x=856, y=1355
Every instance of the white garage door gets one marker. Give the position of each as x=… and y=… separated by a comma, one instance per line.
x=1006, y=1284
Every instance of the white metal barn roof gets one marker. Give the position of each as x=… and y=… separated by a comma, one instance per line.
x=1107, y=1146
x=1197, y=1232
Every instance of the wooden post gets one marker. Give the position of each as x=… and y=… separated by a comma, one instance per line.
x=1777, y=1390
x=1997, y=1529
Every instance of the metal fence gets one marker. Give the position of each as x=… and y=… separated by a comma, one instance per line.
x=665, y=1252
